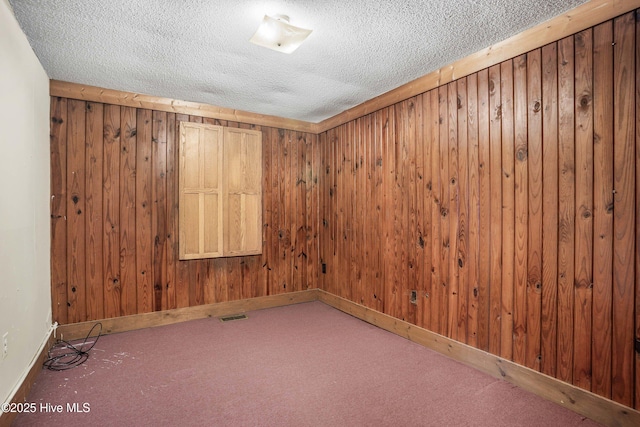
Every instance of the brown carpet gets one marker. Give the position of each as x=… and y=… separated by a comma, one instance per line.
x=301, y=365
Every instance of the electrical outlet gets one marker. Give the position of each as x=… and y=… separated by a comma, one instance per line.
x=5, y=345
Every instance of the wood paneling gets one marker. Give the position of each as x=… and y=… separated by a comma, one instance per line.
x=624, y=221
x=602, y=207
x=114, y=216
x=528, y=212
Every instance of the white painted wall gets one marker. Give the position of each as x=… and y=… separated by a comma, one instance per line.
x=25, y=242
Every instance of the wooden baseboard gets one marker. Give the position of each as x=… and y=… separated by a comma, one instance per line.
x=583, y=402
x=6, y=418
x=159, y=318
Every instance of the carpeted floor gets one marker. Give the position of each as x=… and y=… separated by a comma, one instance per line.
x=301, y=365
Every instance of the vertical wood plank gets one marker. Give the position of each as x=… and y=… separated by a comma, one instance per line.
x=360, y=191
x=58, y=138
x=267, y=220
x=144, y=284
x=284, y=234
x=495, y=150
x=94, y=230
x=76, y=288
x=411, y=226
x=584, y=209
x=423, y=257
x=368, y=245
x=566, y=208
x=637, y=213
x=521, y=188
x=508, y=210
x=195, y=272
x=278, y=169
x=462, y=260
x=172, y=213
x=159, y=208
x=182, y=267
x=549, y=208
x=111, y=190
x=389, y=163
x=289, y=205
x=484, y=178
x=301, y=211
x=294, y=195
x=426, y=123
x=445, y=230
x=436, y=245
x=534, y=240
x=602, y=208
x=378, y=291
x=473, y=253
x=208, y=266
x=624, y=205
x=128, y=139
x=311, y=204
x=453, y=218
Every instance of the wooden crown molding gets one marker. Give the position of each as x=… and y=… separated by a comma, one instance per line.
x=136, y=100
x=580, y=18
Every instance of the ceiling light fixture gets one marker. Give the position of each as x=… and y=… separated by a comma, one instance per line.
x=276, y=33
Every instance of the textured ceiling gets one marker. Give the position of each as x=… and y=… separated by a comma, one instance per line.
x=198, y=50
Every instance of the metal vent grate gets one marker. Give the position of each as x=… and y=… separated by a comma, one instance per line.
x=233, y=317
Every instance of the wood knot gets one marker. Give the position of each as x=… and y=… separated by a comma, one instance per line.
x=460, y=263
x=475, y=292
x=57, y=120
x=440, y=120
x=521, y=154
x=421, y=242
x=499, y=112
x=610, y=207
x=444, y=212
x=586, y=214
x=75, y=200
x=584, y=102
x=459, y=100
x=536, y=107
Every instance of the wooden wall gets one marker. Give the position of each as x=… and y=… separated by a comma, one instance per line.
x=509, y=201
x=114, y=216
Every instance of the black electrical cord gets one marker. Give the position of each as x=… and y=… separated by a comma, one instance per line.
x=64, y=355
